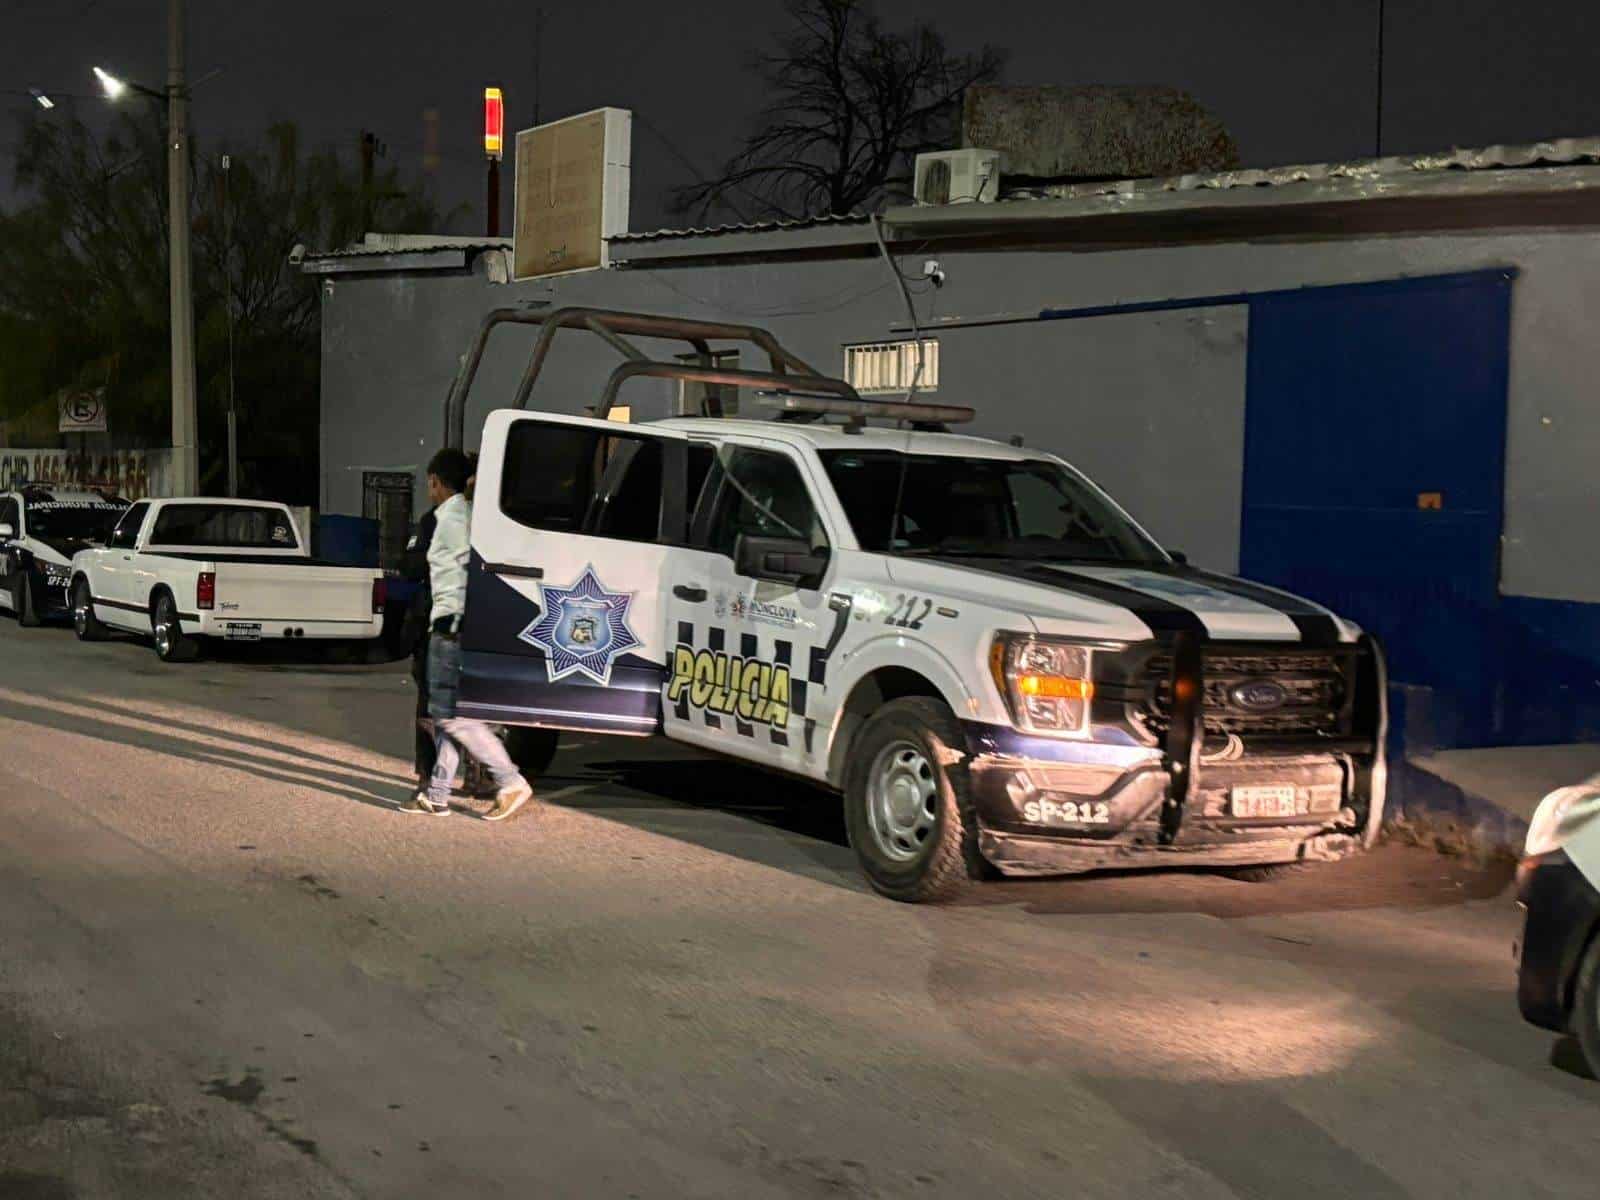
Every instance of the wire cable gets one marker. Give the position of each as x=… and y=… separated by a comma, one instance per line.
x=916, y=377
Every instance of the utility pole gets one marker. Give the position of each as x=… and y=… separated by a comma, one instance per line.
x=227, y=292
x=1377, y=141
x=369, y=149
x=185, y=421
x=538, y=56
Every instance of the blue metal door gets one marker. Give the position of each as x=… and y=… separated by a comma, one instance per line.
x=1374, y=471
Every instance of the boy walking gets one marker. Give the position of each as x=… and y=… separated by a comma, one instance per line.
x=447, y=576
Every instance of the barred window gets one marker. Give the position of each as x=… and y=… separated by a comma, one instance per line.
x=877, y=368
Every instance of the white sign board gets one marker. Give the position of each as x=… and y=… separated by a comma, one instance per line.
x=83, y=411
x=572, y=192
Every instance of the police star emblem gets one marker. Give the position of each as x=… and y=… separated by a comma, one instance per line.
x=583, y=629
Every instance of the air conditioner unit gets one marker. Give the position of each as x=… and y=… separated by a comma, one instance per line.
x=958, y=177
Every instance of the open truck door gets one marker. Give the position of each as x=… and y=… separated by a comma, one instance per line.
x=571, y=531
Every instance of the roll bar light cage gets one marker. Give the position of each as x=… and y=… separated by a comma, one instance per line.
x=790, y=384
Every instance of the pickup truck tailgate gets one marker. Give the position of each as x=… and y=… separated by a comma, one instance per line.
x=291, y=591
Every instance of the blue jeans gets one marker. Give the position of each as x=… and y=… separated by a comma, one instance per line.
x=451, y=733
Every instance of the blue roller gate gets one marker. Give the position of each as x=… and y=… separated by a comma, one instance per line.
x=1375, y=428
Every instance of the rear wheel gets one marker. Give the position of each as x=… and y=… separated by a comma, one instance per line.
x=1266, y=873
x=532, y=749
x=84, y=623
x=1585, y=1021
x=908, y=803
x=22, y=602
x=172, y=644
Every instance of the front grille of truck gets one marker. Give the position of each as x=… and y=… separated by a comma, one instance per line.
x=1317, y=685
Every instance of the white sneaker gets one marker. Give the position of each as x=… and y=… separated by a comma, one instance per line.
x=509, y=801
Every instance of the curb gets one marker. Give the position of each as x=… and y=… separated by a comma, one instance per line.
x=1429, y=811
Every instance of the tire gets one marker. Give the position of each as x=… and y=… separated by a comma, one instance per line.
x=1267, y=873
x=1585, y=1018
x=84, y=623
x=172, y=644
x=22, y=602
x=532, y=749
x=908, y=807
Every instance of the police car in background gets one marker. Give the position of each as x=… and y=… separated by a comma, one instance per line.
x=41, y=528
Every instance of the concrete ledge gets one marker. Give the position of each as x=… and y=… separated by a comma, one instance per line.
x=1428, y=810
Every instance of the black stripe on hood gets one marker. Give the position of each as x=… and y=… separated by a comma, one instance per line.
x=1316, y=627
x=1162, y=616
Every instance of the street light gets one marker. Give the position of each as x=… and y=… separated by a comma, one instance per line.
x=113, y=86
x=185, y=432
x=44, y=101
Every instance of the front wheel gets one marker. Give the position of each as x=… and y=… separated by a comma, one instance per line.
x=172, y=644
x=1265, y=872
x=22, y=602
x=84, y=623
x=1585, y=1021
x=908, y=803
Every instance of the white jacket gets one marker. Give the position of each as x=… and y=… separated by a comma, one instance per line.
x=447, y=557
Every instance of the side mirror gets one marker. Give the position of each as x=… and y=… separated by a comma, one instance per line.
x=782, y=560
x=6, y=531
x=1179, y=557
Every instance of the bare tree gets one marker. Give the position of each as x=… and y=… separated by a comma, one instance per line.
x=852, y=104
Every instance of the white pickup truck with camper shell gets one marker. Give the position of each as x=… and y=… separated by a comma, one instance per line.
x=184, y=570
x=996, y=666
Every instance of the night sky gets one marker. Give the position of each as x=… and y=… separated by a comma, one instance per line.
x=1293, y=81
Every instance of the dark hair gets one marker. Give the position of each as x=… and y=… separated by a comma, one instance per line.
x=472, y=463
x=451, y=466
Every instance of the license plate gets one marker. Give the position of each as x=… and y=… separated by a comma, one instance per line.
x=1275, y=800
x=242, y=631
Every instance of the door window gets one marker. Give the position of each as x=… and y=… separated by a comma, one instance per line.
x=581, y=479
x=627, y=503
x=757, y=493
x=127, y=531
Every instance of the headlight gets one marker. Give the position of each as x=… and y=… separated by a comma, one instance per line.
x=1559, y=816
x=1047, y=684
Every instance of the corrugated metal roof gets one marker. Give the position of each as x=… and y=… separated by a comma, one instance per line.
x=375, y=244
x=1556, y=152
x=747, y=227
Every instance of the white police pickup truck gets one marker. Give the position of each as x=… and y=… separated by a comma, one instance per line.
x=182, y=570
x=992, y=662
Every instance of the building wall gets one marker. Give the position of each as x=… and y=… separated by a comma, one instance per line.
x=1151, y=405
x=135, y=474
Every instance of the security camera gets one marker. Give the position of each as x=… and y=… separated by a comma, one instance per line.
x=297, y=255
x=931, y=270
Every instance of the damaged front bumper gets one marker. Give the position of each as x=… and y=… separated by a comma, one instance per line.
x=1048, y=807
x=1055, y=806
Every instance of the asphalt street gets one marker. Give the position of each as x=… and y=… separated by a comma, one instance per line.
x=231, y=968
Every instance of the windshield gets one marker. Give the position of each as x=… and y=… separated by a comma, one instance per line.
x=236, y=526
x=982, y=508
x=71, y=520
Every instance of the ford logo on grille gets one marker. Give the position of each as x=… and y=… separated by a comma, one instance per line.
x=1259, y=695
